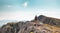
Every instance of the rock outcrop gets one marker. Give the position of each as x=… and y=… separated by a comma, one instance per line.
x=49, y=20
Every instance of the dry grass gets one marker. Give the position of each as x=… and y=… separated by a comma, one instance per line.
x=53, y=28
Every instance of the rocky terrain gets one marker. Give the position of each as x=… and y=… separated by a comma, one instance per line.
x=49, y=20
x=40, y=24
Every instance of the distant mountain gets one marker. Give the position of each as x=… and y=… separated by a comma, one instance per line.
x=49, y=20
x=2, y=22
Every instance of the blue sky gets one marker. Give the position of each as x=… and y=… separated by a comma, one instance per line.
x=27, y=9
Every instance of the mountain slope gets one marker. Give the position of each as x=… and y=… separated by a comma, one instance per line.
x=40, y=24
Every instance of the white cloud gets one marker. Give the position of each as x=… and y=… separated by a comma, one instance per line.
x=9, y=6
x=29, y=15
x=25, y=4
x=17, y=15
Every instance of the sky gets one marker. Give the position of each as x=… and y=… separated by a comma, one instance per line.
x=27, y=9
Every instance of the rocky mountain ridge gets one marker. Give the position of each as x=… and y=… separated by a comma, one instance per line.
x=38, y=25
